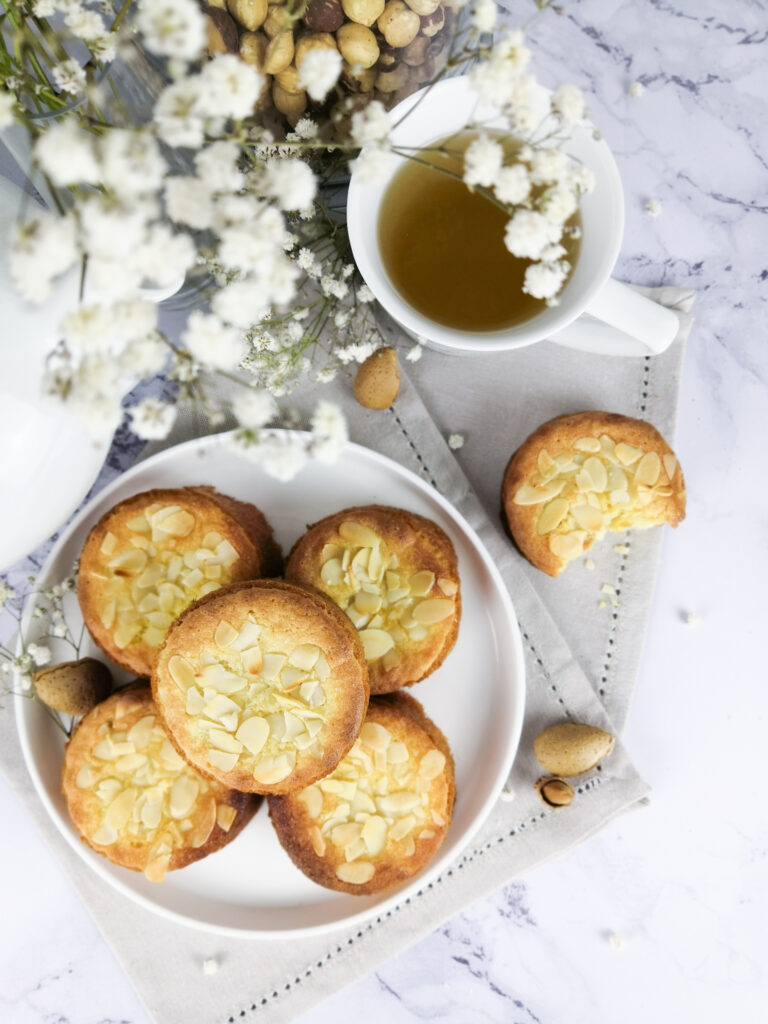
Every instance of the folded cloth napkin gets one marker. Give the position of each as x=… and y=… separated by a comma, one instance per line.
x=574, y=671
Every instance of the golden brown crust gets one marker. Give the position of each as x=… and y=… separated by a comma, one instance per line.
x=420, y=546
x=665, y=501
x=290, y=620
x=307, y=824
x=215, y=817
x=100, y=589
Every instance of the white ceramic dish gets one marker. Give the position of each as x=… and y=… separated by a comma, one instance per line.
x=476, y=697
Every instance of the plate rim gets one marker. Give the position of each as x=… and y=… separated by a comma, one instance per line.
x=409, y=888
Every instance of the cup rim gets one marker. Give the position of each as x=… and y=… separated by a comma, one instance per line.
x=448, y=104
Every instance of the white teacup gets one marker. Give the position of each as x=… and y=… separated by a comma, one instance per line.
x=594, y=313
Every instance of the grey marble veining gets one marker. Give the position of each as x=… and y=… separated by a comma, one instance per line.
x=662, y=916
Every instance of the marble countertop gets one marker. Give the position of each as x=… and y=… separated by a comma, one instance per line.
x=662, y=916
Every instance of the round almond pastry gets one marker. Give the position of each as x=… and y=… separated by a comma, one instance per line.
x=135, y=801
x=396, y=576
x=381, y=816
x=581, y=475
x=152, y=555
x=262, y=686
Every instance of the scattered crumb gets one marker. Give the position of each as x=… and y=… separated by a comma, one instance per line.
x=607, y=589
x=616, y=942
x=636, y=89
x=589, y=564
x=456, y=441
x=211, y=966
x=691, y=619
x=621, y=549
x=414, y=355
x=508, y=793
x=602, y=604
x=653, y=207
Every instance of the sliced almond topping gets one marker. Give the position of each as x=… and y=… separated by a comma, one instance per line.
x=220, y=705
x=627, y=454
x=221, y=760
x=433, y=610
x=617, y=479
x=108, y=614
x=670, y=465
x=648, y=469
x=322, y=668
x=448, y=587
x=169, y=756
x=105, y=835
x=272, y=665
x=312, y=799
x=272, y=770
x=206, y=814
x=432, y=764
x=304, y=656
x=181, y=671
x=530, y=495
x=86, y=777
x=183, y=795
x=568, y=545
x=357, y=873
x=252, y=660
x=132, y=560
x=410, y=848
x=375, y=736
x=226, y=554
x=130, y=762
x=318, y=843
x=422, y=582
x=253, y=733
x=597, y=471
x=588, y=518
x=374, y=835
x=125, y=632
x=138, y=524
x=587, y=444
x=109, y=544
x=212, y=540
x=119, y=811
x=343, y=788
x=332, y=573
x=224, y=635
x=346, y=834
x=391, y=659
x=376, y=642
x=398, y=803
x=367, y=604
x=397, y=753
x=152, y=813
x=223, y=741
x=402, y=827
x=151, y=575
x=225, y=816
x=552, y=515
x=247, y=636
x=358, y=534
x=180, y=524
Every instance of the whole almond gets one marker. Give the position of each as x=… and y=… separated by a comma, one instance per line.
x=73, y=687
x=554, y=792
x=572, y=748
x=377, y=382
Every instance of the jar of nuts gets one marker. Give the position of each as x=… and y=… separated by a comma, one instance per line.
x=389, y=48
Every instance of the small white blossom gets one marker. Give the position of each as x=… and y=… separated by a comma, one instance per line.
x=85, y=24
x=329, y=432
x=558, y=203
x=69, y=77
x=178, y=114
x=151, y=419
x=356, y=352
x=326, y=375
x=290, y=183
x=484, y=15
x=7, y=107
x=482, y=161
x=212, y=342
x=653, y=207
x=512, y=185
x=374, y=164
x=306, y=128
x=44, y=8
x=67, y=155
x=87, y=329
x=319, y=72
x=243, y=303
x=636, y=89
x=455, y=441
x=104, y=49
x=413, y=355
x=113, y=229
x=281, y=456
x=131, y=162
x=164, y=257
x=548, y=165
x=101, y=415
x=254, y=409
x=43, y=248
x=371, y=124
x=216, y=165
x=188, y=201
x=568, y=104
x=172, y=28
x=39, y=654
x=364, y=294
x=528, y=233
x=211, y=966
x=544, y=280
x=230, y=87
x=144, y=357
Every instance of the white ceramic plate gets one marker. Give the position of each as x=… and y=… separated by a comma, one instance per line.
x=476, y=697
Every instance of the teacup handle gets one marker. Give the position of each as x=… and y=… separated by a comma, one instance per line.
x=621, y=322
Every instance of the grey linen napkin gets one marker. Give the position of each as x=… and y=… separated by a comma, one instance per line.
x=495, y=404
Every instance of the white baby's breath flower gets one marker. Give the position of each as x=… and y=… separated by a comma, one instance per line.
x=85, y=24
x=510, y=51
x=43, y=248
x=364, y=294
x=100, y=414
x=151, y=419
x=319, y=72
x=172, y=28
x=144, y=357
x=44, y=8
x=326, y=375
x=7, y=107
x=558, y=203
x=216, y=165
x=164, y=258
x=6, y=592
x=544, y=280
x=371, y=124
x=414, y=354
x=253, y=408
x=306, y=128
x=242, y=303
x=568, y=104
x=357, y=352
x=88, y=329
x=281, y=456
x=113, y=279
x=512, y=184
x=113, y=229
x=67, y=155
x=482, y=161
x=104, y=49
x=548, y=165
x=131, y=162
x=230, y=87
x=455, y=441
x=484, y=15
x=290, y=183
x=653, y=207
x=212, y=342
x=133, y=319
x=374, y=164
x=329, y=432
x=528, y=233
x=636, y=89
x=188, y=201
x=179, y=115
x=69, y=77
x=40, y=654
